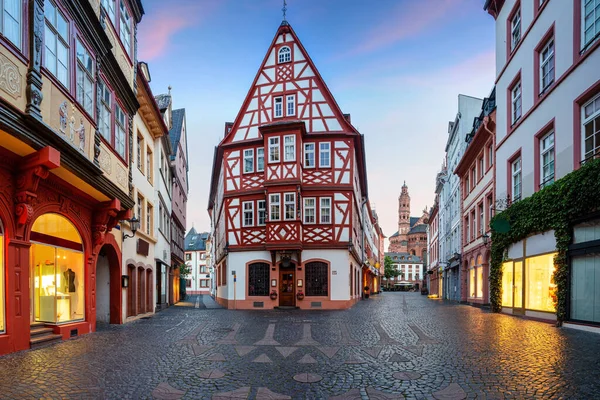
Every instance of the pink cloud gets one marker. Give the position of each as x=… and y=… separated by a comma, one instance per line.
x=162, y=23
x=406, y=20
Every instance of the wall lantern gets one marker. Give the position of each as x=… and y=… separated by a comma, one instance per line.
x=486, y=239
x=124, y=281
x=134, y=224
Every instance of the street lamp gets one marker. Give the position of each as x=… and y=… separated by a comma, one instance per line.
x=134, y=224
x=486, y=239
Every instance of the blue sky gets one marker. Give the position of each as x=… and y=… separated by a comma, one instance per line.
x=397, y=66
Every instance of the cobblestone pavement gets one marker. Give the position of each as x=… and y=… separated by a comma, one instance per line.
x=396, y=345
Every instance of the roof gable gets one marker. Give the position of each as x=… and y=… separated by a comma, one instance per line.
x=176, y=130
x=314, y=104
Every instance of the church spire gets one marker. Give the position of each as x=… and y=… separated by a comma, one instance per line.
x=284, y=9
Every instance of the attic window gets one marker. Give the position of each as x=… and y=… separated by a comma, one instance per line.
x=285, y=55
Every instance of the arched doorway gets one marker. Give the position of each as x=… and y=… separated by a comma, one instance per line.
x=108, y=283
x=57, y=271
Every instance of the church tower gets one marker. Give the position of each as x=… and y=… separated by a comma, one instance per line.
x=404, y=212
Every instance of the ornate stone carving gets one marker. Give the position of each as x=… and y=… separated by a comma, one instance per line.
x=122, y=177
x=105, y=162
x=34, y=77
x=10, y=78
x=34, y=167
x=105, y=218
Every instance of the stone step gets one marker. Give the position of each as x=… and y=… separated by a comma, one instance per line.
x=44, y=340
x=40, y=331
x=36, y=324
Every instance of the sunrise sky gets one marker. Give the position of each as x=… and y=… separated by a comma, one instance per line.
x=397, y=66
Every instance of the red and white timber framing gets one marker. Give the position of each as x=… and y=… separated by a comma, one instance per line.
x=289, y=182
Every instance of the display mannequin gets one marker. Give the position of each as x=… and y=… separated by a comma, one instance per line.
x=69, y=276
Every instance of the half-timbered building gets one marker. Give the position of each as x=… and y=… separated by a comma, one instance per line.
x=288, y=200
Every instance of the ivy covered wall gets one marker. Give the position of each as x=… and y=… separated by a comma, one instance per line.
x=555, y=207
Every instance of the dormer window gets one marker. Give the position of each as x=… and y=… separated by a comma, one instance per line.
x=285, y=55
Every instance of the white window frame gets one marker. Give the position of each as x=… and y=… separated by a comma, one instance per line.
x=289, y=204
x=516, y=104
x=248, y=213
x=261, y=212
x=290, y=105
x=481, y=209
x=260, y=159
x=284, y=56
x=248, y=161
x=84, y=77
x=515, y=30
x=110, y=11
x=275, y=207
x=52, y=59
x=590, y=112
x=327, y=151
x=289, y=148
x=308, y=151
x=274, y=153
x=5, y=14
x=120, y=132
x=547, y=151
x=516, y=179
x=324, y=207
x=278, y=107
x=105, y=116
x=594, y=18
x=125, y=27
x=312, y=207
x=547, y=63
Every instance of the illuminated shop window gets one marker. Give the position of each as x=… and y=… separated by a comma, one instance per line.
x=540, y=288
x=57, y=270
x=1, y=278
x=507, y=283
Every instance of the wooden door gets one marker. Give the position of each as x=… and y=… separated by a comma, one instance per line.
x=287, y=294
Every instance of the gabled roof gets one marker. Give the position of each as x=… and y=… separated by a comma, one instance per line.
x=421, y=228
x=177, y=128
x=195, y=241
x=403, y=257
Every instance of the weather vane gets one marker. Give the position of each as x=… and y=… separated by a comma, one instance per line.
x=284, y=9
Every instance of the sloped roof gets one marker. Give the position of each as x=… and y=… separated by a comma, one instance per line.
x=421, y=228
x=413, y=221
x=175, y=132
x=403, y=257
x=163, y=101
x=195, y=241
x=395, y=234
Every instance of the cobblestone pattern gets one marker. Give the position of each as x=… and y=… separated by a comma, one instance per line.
x=396, y=345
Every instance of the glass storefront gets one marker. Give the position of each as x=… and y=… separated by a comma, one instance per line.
x=480, y=282
x=1, y=278
x=540, y=288
x=57, y=270
x=585, y=273
x=507, y=284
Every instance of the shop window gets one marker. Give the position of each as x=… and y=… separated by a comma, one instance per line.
x=258, y=279
x=1, y=278
x=57, y=270
x=540, y=288
x=472, y=278
x=585, y=273
x=507, y=284
x=316, y=276
x=479, y=277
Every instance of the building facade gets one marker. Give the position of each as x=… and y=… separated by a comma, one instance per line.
x=179, y=192
x=548, y=96
x=411, y=236
x=450, y=228
x=66, y=109
x=433, y=266
x=197, y=258
x=410, y=270
x=476, y=173
x=289, y=199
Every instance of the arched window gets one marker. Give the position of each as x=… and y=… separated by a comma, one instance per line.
x=258, y=279
x=58, y=273
x=317, y=279
x=1, y=278
x=285, y=55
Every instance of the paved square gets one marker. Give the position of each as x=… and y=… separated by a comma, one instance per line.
x=391, y=346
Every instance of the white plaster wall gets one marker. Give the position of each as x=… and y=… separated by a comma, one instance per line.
x=103, y=290
x=561, y=98
x=515, y=250
x=542, y=243
x=237, y=262
x=340, y=262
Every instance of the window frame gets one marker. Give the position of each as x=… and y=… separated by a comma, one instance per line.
x=120, y=124
x=277, y=111
x=140, y=143
x=273, y=203
x=308, y=207
x=286, y=204
x=90, y=75
x=258, y=158
x=586, y=44
x=289, y=97
x=515, y=26
x=286, y=146
x=306, y=152
x=513, y=173
x=546, y=181
x=593, y=118
x=48, y=25
x=247, y=212
x=272, y=146
x=287, y=55
x=516, y=99
x=261, y=211
x=150, y=165
x=248, y=155
x=321, y=208
x=321, y=165
x=19, y=20
x=546, y=61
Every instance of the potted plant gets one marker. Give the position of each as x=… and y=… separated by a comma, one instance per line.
x=366, y=292
x=273, y=294
x=300, y=295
